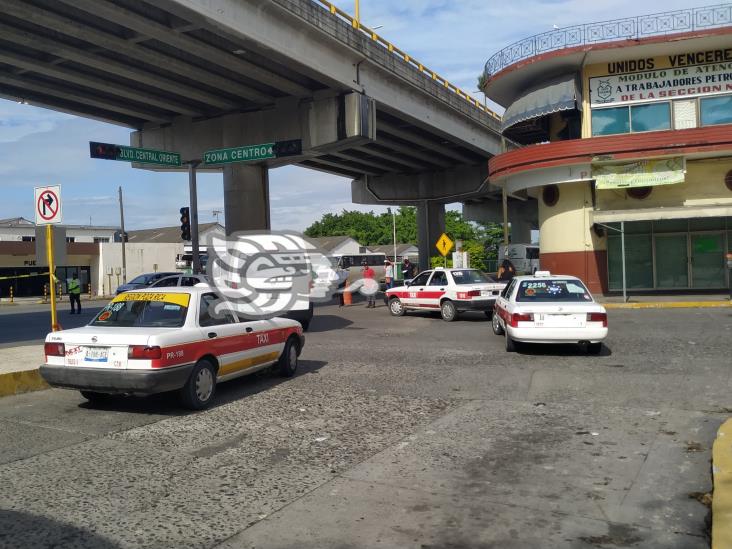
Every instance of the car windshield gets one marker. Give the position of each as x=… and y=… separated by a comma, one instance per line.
x=142, y=279
x=470, y=276
x=552, y=291
x=144, y=310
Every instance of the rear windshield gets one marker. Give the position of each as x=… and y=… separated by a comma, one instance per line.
x=142, y=279
x=470, y=277
x=548, y=291
x=148, y=310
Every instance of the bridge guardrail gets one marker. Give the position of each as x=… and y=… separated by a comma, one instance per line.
x=391, y=48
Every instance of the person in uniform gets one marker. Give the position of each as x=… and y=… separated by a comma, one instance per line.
x=74, y=287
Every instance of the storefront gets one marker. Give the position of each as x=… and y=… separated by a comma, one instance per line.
x=653, y=154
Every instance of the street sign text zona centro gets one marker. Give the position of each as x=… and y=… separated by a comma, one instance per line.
x=249, y=153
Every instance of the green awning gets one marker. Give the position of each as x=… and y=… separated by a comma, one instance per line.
x=559, y=94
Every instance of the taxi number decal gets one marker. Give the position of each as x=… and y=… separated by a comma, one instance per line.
x=178, y=299
x=413, y=295
x=174, y=354
x=262, y=339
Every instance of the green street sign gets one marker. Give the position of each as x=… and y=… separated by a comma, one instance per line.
x=109, y=151
x=249, y=153
x=253, y=153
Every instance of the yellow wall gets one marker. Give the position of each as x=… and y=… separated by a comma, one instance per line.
x=566, y=226
x=703, y=186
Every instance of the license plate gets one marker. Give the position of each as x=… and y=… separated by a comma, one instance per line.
x=96, y=354
x=486, y=292
x=560, y=321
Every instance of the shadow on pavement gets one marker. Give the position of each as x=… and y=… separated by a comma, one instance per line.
x=326, y=323
x=538, y=349
x=229, y=391
x=20, y=529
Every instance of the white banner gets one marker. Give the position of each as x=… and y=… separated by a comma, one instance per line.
x=619, y=89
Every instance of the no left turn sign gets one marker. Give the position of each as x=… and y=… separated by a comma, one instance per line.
x=48, y=204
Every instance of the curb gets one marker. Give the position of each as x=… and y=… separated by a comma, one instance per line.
x=670, y=305
x=25, y=381
x=722, y=499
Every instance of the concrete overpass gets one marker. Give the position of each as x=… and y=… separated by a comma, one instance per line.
x=194, y=75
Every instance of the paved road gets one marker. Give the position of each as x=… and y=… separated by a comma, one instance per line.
x=26, y=324
x=398, y=432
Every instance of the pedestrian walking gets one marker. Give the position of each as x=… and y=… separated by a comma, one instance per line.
x=408, y=269
x=388, y=274
x=368, y=274
x=74, y=288
x=506, y=271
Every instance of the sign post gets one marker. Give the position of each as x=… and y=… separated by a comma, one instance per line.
x=48, y=212
x=196, y=259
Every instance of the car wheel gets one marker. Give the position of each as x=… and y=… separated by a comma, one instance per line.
x=288, y=359
x=199, y=390
x=510, y=344
x=448, y=311
x=396, y=307
x=594, y=348
x=496, y=325
x=94, y=397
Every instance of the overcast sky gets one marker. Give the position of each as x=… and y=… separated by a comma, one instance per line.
x=453, y=37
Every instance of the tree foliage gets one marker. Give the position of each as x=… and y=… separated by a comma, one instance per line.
x=480, y=240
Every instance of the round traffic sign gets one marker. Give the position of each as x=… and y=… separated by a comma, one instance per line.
x=48, y=205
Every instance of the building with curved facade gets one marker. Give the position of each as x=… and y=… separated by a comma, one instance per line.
x=624, y=124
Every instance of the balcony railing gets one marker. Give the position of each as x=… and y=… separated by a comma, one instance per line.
x=643, y=26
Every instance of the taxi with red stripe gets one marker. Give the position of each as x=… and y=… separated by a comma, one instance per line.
x=451, y=291
x=546, y=308
x=178, y=339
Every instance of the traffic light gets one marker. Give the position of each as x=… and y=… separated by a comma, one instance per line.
x=293, y=147
x=106, y=151
x=185, y=223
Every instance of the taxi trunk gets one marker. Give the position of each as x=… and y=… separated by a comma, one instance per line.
x=99, y=347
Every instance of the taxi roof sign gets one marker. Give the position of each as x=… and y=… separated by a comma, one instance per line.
x=444, y=244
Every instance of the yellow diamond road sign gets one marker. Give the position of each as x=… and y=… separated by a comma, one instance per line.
x=444, y=244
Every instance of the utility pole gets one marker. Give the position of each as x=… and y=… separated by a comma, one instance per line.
x=122, y=237
x=196, y=264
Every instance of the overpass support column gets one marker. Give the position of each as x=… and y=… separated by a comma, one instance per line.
x=246, y=197
x=430, y=225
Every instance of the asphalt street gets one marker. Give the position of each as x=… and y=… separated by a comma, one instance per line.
x=397, y=432
x=27, y=324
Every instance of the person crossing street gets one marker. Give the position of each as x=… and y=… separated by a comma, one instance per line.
x=74, y=287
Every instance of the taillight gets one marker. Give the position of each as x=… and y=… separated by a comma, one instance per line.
x=517, y=317
x=54, y=349
x=467, y=295
x=598, y=317
x=143, y=352
x=474, y=293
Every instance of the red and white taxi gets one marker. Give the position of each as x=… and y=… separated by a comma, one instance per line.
x=549, y=309
x=147, y=342
x=450, y=290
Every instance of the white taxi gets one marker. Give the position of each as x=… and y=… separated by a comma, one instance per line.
x=549, y=309
x=450, y=290
x=147, y=342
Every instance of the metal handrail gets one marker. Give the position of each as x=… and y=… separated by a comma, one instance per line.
x=630, y=28
x=391, y=48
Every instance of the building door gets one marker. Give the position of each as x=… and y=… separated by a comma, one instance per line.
x=672, y=261
x=708, y=260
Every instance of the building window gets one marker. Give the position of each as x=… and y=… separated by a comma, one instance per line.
x=610, y=121
x=28, y=239
x=98, y=239
x=70, y=239
x=639, y=193
x=649, y=118
x=716, y=110
x=550, y=195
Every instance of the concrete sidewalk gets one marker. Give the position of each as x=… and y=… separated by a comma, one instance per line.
x=19, y=370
